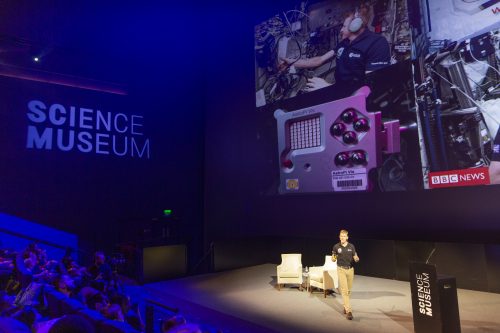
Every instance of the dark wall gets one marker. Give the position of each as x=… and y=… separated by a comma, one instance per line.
x=190, y=71
x=242, y=172
x=152, y=51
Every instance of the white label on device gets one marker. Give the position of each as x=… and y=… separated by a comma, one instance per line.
x=350, y=180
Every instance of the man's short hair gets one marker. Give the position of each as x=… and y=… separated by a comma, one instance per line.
x=343, y=231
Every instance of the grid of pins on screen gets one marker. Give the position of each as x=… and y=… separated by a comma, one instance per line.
x=305, y=133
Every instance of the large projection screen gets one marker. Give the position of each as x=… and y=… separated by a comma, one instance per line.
x=381, y=96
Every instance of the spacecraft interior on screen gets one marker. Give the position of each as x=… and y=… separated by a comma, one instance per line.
x=332, y=147
x=312, y=30
x=433, y=113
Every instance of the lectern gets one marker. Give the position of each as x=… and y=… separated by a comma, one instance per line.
x=434, y=300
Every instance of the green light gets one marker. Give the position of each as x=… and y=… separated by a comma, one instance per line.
x=167, y=212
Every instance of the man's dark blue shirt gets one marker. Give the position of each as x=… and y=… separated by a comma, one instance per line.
x=368, y=52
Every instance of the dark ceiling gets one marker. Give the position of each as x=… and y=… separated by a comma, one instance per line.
x=103, y=40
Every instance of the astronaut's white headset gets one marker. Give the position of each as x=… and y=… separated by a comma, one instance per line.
x=356, y=24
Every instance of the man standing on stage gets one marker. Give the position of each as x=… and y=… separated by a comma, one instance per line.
x=345, y=253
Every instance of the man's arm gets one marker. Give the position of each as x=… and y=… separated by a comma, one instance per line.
x=310, y=62
x=355, y=257
x=316, y=83
x=494, y=171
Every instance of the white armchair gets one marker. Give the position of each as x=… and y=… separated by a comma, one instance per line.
x=290, y=269
x=324, y=277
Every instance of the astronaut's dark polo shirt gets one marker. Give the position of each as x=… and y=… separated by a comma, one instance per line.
x=368, y=52
x=345, y=254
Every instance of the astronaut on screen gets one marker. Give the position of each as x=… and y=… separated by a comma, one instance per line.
x=359, y=52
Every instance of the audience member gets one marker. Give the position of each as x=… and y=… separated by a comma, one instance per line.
x=65, y=285
x=185, y=328
x=172, y=322
x=26, y=315
x=100, y=272
x=131, y=315
x=73, y=324
x=98, y=302
x=97, y=287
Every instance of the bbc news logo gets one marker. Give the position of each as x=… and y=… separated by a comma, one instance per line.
x=455, y=178
x=466, y=177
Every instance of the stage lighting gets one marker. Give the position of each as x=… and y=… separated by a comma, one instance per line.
x=167, y=212
x=36, y=59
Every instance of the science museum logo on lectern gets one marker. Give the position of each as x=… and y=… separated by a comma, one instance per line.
x=424, y=294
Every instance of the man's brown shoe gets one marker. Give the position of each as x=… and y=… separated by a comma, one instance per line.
x=349, y=316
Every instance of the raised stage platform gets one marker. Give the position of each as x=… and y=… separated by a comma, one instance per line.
x=247, y=300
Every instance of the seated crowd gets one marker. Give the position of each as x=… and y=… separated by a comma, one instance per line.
x=24, y=275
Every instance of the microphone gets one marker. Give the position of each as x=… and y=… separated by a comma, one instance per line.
x=430, y=255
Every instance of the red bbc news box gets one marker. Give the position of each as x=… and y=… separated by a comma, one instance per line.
x=463, y=177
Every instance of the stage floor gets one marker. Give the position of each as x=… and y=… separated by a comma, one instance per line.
x=247, y=300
